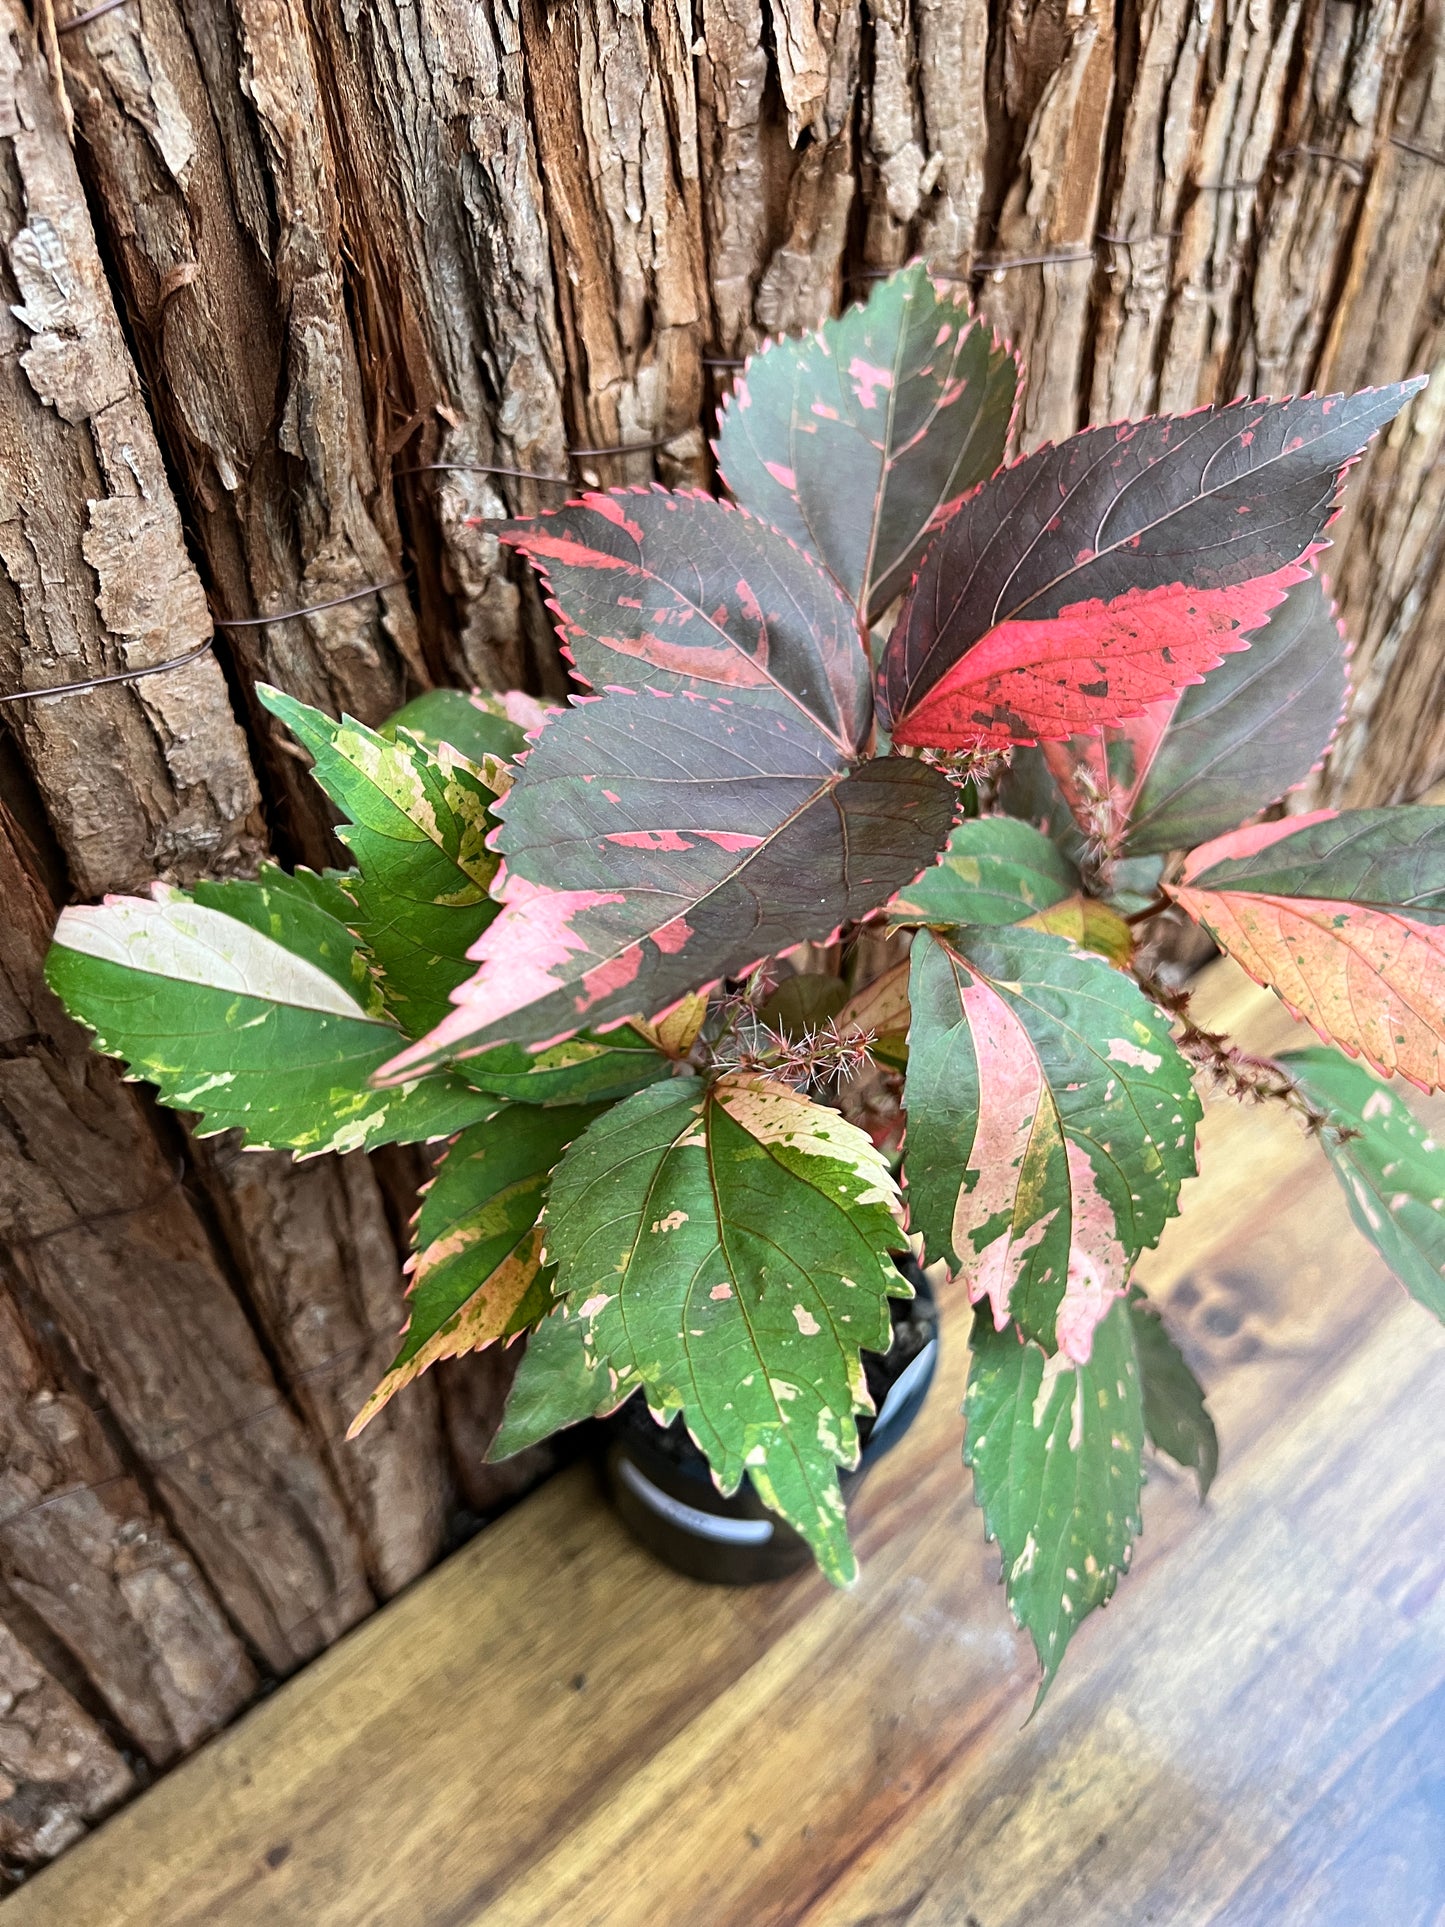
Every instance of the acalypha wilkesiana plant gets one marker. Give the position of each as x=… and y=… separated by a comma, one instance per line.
x=813, y=930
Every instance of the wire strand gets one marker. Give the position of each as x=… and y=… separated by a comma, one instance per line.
x=201, y=648
x=84, y=19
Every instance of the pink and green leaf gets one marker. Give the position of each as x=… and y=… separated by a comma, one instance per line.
x=1098, y=577
x=1342, y=915
x=682, y=594
x=859, y=440
x=1051, y=1122
x=654, y=844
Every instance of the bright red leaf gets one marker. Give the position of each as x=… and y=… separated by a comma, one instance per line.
x=1095, y=578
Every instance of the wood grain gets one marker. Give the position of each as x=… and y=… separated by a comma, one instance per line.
x=552, y=1731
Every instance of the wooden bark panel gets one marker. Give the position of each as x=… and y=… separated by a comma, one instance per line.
x=443, y=224
x=114, y=1248
x=473, y=1391
x=1392, y=313
x=615, y=118
x=94, y=576
x=321, y=1269
x=91, y=1559
x=1051, y=208
x=205, y=138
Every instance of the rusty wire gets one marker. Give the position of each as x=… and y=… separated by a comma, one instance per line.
x=84, y=19
x=201, y=648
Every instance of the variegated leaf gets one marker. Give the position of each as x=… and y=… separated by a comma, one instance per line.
x=1090, y=924
x=479, y=724
x=1176, y=1419
x=1051, y=1122
x=1198, y=764
x=1100, y=576
x=654, y=844
x=858, y=440
x=587, y=1069
x=1343, y=916
x=1391, y=1168
x=560, y=1382
x=307, y=915
x=1056, y=1450
x=417, y=822
x=476, y=1270
x=679, y=593
x=666, y=1220
x=995, y=870
x=254, y=1019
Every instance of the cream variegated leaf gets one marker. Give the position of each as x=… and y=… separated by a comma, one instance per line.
x=726, y=1249
x=231, y=1021
x=1056, y=1448
x=477, y=1274
x=418, y=817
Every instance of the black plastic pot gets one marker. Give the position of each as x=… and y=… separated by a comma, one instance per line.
x=662, y=1486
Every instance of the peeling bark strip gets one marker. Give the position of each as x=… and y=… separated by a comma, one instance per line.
x=95, y=574
x=322, y=1269
x=205, y=141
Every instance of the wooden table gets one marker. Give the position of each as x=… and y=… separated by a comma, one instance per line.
x=551, y=1731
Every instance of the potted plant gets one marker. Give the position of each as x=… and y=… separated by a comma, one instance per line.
x=819, y=932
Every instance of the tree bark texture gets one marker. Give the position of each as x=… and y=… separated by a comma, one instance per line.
x=280, y=280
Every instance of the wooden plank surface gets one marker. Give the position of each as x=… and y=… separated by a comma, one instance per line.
x=551, y=1731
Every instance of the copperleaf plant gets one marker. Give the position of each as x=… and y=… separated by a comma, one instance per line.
x=816, y=928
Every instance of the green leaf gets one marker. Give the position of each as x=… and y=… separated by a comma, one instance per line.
x=1056, y=1451
x=306, y=914
x=417, y=822
x=803, y=1004
x=857, y=440
x=995, y=870
x=1051, y=1122
x=479, y=725
x=1176, y=1421
x=249, y=1019
x=727, y=1248
x=559, y=1383
x=477, y=1273
x=1392, y=1169
x=582, y=1070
